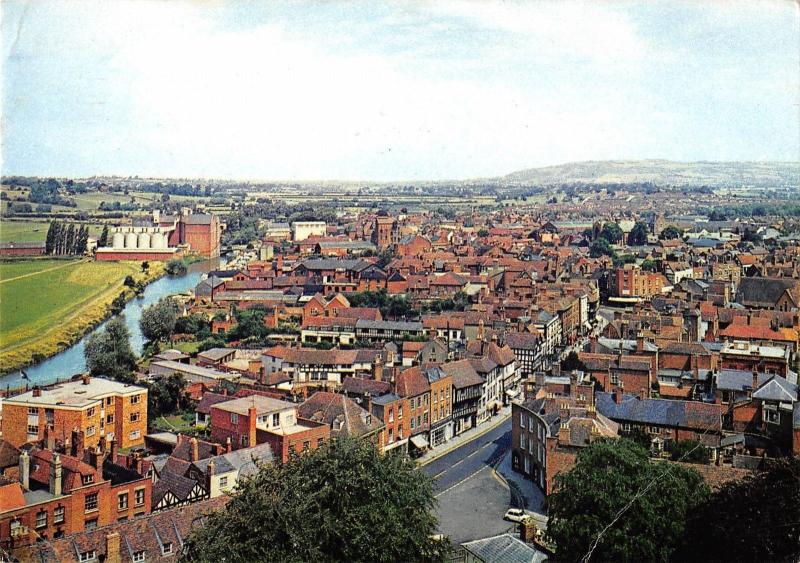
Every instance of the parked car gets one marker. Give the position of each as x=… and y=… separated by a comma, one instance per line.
x=516, y=515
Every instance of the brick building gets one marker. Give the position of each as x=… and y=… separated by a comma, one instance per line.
x=100, y=408
x=60, y=493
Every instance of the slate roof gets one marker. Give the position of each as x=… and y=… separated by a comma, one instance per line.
x=334, y=264
x=9, y=455
x=522, y=340
x=174, y=483
x=504, y=548
x=209, y=400
x=776, y=388
x=660, y=412
x=738, y=380
x=614, y=344
x=762, y=292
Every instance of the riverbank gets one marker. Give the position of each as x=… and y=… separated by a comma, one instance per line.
x=81, y=296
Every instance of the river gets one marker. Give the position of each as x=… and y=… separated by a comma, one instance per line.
x=71, y=361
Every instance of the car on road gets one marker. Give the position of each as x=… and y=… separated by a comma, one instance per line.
x=516, y=515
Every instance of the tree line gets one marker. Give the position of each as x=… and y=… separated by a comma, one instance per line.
x=65, y=239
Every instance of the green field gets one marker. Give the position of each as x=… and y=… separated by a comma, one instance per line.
x=37, y=295
x=33, y=231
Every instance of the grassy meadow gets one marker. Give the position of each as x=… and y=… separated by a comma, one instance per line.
x=35, y=231
x=46, y=305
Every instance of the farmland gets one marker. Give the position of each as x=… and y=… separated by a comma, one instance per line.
x=47, y=304
x=34, y=231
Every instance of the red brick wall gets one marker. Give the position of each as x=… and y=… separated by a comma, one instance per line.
x=136, y=256
x=283, y=445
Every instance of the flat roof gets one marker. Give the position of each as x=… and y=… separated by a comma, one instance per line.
x=262, y=404
x=75, y=394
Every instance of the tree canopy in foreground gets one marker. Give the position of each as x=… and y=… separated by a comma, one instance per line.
x=607, y=476
x=341, y=502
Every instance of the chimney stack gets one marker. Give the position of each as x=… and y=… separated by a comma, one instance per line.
x=55, y=475
x=640, y=342
x=618, y=395
x=86, y=379
x=76, y=444
x=755, y=379
x=37, y=392
x=112, y=548
x=228, y=445
x=25, y=470
x=96, y=458
x=210, y=471
x=368, y=396
x=377, y=367
x=194, y=449
x=252, y=417
x=112, y=450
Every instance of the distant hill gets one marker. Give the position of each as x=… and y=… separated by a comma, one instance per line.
x=664, y=172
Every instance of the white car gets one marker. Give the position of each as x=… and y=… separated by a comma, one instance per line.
x=516, y=515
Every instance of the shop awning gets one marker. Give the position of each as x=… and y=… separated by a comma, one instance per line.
x=419, y=441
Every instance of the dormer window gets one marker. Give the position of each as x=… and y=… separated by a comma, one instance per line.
x=88, y=479
x=368, y=419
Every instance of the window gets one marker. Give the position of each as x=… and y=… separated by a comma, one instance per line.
x=33, y=411
x=223, y=481
x=33, y=429
x=134, y=417
x=138, y=496
x=135, y=399
x=90, y=431
x=419, y=420
x=523, y=440
x=425, y=417
x=400, y=412
x=122, y=501
x=85, y=556
x=521, y=420
x=391, y=436
x=87, y=479
x=412, y=423
x=110, y=419
x=109, y=401
x=166, y=548
x=41, y=519
x=276, y=419
x=58, y=514
x=391, y=415
x=320, y=441
x=90, y=411
x=91, y=525
x=234, y=418
x=138, y=556
x=90, y=502
x=426, y=400
x=771, y=416
x=134, y=435
x=244, y=441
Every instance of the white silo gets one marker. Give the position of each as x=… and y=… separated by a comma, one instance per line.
x=158, y=241
x=131, y=240
x=144, y=240
x=118, y=240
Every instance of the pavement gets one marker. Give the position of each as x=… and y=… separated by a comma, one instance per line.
x=465, y=437
x=524, y=493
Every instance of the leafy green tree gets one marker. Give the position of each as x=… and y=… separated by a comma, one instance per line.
x=638, y=235
x=483, y=233
x=109, y=353
x=601, y=247
x=690, y=451
x=649, y=265
x=572, y=362
x=670, y=232
x=158, y=320
x=755, y=519
x=341, y=502
x=103, y=240
x=50, y=240
x=612, y=233
x=167, y=396
x=620, y=506
x=176, y=267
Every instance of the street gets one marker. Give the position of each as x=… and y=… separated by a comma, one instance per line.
x=471, y=497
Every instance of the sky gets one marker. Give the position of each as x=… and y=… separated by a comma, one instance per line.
x=389, y=91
